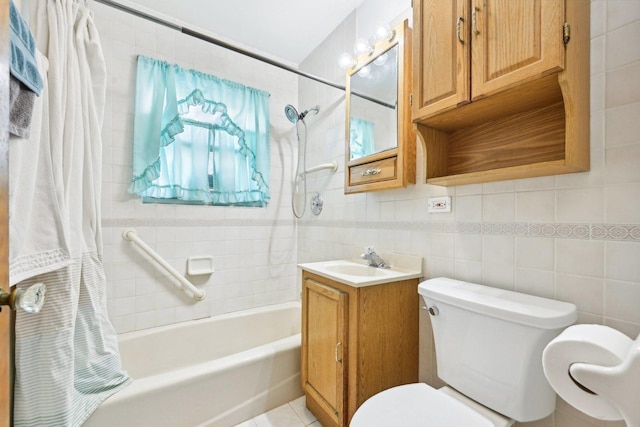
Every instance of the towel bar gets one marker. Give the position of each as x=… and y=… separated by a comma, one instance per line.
x=131, y=235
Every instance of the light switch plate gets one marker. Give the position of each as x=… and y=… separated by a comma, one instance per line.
x=439, y=204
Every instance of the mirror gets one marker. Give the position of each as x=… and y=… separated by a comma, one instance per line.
x=374, y=100
x=380, y=140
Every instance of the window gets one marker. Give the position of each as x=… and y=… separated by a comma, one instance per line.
x=198, y=138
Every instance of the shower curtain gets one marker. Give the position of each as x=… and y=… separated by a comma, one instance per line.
x=67, y=359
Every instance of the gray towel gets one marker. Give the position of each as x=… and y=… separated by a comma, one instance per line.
x=21, y=100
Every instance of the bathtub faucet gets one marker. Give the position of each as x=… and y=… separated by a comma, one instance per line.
x=372, y=258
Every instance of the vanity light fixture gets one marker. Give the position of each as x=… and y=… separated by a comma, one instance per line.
x=362, y=47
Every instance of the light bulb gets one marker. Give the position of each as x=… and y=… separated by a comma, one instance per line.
x=381, y=60
x=364, y=71
x=384, y=33
x=346, y=61
x=362, y=46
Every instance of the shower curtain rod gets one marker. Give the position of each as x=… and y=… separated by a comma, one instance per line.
x=233, y=48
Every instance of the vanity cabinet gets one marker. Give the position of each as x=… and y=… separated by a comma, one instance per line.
x=501, y=88
x=356, y=342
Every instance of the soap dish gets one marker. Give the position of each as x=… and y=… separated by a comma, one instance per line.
x=198, y=265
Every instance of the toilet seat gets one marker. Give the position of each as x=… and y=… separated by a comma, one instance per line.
x=419, y=405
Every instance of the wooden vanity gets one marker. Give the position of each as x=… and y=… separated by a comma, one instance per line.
x=356, y=342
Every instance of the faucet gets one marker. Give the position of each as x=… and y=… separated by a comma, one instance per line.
x=372, y=258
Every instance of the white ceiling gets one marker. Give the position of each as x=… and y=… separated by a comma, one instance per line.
x=288, y=30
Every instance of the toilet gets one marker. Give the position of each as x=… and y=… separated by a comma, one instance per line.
x=489, y=345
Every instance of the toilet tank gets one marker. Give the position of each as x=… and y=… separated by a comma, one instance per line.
x=489, y=344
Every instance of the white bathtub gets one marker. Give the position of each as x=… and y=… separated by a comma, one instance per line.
x=214, y=372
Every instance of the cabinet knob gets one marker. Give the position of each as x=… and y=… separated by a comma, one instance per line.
x=474, y=20
x=338, y=360
x=368, y=172
x=459, y=29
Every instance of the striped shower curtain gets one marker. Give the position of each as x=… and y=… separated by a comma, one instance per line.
x=67, y=359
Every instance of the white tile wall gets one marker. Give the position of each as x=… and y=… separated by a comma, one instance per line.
x=254, y=249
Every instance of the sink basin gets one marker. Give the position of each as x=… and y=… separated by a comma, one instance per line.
x=356, y=273
x=352, y=269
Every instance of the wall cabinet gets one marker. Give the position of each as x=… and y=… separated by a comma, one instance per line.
x=501, y=88
x=356, y=342
x=380, y=96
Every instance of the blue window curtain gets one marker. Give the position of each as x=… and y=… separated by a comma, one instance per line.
x=361, y=135
x=199, y=138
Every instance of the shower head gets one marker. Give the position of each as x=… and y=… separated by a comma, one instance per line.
x=293, y=116
x=291, y=113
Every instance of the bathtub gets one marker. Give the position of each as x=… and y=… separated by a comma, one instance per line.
x=214, y=372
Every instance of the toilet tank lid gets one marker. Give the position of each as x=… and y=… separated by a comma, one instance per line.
x=543, y=313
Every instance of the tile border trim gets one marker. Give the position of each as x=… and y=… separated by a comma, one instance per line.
x=606, y=232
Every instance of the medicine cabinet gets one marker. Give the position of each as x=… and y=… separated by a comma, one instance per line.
x=380, y=139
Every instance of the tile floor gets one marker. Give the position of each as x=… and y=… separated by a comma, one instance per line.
x=292, y=414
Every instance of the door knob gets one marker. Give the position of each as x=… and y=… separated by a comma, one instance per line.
x=30, y=299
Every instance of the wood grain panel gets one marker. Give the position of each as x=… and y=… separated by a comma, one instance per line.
x=530, y=137
x=436, y=152
x=511, y=43
x=381, y=170
x=387, y=337
x=525, y=97
x=441, y=61
x=516, y=42
x=575, y=85
x=5, y=316
x=325, y=323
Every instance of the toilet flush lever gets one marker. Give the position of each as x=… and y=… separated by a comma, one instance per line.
x=433, y=310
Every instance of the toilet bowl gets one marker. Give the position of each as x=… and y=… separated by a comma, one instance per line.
x=419, y=405
x=489, y=345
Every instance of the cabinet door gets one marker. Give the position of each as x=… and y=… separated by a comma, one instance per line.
x=441, y=43
x=324, y=347
x=514, y=42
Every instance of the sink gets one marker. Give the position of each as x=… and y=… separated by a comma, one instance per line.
x=352, y=269
x=356, y=273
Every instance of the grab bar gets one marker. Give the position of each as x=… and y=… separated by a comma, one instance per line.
x=131, y=235
x=332, y=165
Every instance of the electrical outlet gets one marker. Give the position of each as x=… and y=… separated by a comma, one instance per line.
x=439, y=204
